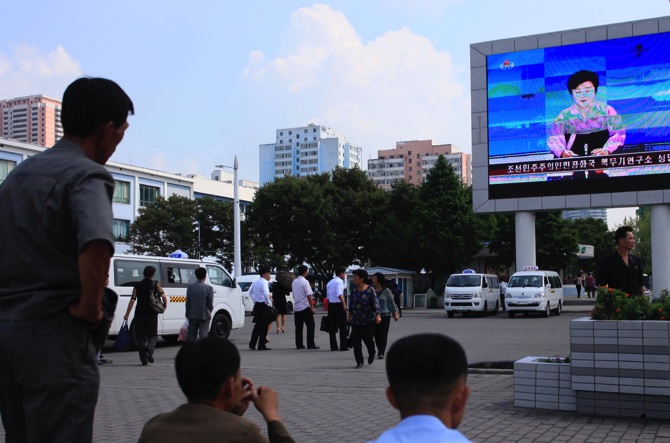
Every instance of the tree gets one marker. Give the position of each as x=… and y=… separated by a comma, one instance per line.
x=592, y=231
x=555, y=241
x=449, y=232
x=503, y=241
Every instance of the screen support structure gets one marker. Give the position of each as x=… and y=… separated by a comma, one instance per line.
x=524, y=233
x=660, y=248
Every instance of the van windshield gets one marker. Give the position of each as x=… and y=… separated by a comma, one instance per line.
x=464, y=281
x=525, y=281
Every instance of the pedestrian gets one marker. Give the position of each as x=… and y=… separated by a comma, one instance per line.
x=279, y=293
x=578, y=284
x=146, y=319
x=208, y=373
x=387, y=309
x=622, y=270
x=397, y=297
x=590, y=285
x=99, y=357
x=260, y=294
x=56, y=219
x=199, y=305
x=503, y=291
x=427, y=376
x=303, y=313
x=363, y=315
x=337, y=310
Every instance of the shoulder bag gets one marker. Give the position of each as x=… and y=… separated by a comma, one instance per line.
x=156, y=300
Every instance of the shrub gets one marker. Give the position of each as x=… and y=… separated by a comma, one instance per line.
x=613, y=304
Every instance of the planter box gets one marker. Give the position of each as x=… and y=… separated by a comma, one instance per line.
x=543, y=385
x=621, y=368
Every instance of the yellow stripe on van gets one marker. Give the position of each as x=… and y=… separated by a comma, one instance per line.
x=178, y=298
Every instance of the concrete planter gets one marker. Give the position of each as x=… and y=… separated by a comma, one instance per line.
x=543, y=385
x=621, y=368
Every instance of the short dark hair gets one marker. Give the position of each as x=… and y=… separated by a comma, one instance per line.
x=380, y=278
x=580, y=77
x=92, y=101
x=362, y=273
x=264, y=270
x=203, y=366
x=200, y=273
x=149, y=271
x=340, y=269
x=621, y=232
x=424, y=369
x=302, y=269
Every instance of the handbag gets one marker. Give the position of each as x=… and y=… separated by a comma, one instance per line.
x=324, y=324
x=156, y=300
x=183, y=332
x=272, y=311
x=123, y=341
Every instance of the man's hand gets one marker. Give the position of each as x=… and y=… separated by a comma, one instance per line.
x=600, y=152
x=567, y=154
x=378, y=319
x=243, y=405
x=267, y=402
x=77, y=311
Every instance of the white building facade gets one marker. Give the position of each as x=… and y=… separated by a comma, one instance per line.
x=306, y=150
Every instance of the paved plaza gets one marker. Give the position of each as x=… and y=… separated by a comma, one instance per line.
x=324, y=399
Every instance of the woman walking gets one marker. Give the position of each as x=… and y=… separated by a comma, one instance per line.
x=387, y=308
x=146, y=320
x=279, y=294
x=363, y=315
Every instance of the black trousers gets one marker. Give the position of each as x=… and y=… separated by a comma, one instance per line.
x=262, y=320
x=579, y=290
x=337, y=319
x=146, y=334
x=306, y=318
x=382, y=334
x=366, y=334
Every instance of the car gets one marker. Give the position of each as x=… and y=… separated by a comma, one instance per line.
x=245, y=281
x=472, y=292
x=534, y=291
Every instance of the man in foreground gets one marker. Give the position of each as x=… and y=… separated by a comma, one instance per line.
x=57, y=219
x=199, y=305
x=427, y=375
x=208, y=372
x=622, y=270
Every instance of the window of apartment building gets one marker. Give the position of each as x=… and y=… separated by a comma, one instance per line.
x=313, y=129
x=281, y=132
x=290, y=132
x=409, y=152
x=410, y=169
x=148, y=194
x=314, y=138
x=121, y=230
x=121, y=192
x=6, y=166
x=409, y=161
x=305, y=130
x=281, y=141
x=418, y=155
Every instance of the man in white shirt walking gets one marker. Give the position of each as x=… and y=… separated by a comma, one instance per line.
x=303, y=312
x=260, y=294
x=337, y=307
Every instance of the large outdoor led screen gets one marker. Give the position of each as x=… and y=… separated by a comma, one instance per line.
x=580, y=119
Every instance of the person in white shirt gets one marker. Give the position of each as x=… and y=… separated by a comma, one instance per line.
x=260, y=294
x=337, y=308
x=303, y=310
x=427, y=384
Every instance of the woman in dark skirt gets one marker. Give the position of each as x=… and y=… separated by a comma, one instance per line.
x=279, y=294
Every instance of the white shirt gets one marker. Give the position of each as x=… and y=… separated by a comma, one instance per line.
x=260, y=291
x=420, y=429
x=301, y=290
x=334, y=289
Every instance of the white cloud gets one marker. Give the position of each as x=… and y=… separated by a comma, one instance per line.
x=395, y=87
x=27, y=70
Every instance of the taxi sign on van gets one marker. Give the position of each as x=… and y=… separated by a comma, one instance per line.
x=530, y=268
x=468, y=271
x=179, y=254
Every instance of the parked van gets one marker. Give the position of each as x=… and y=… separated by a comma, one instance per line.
x=472, y=292
x=174, y=275
x=534, y=291
x=245, y=282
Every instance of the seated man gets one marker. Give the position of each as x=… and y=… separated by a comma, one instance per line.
x=426, y=375
x=208, y=372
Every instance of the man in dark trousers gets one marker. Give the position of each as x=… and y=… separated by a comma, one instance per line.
x=622, y=270
x=260, y=294
x=58, y=240
x=199, y=305
x=337, y=307
x=303, y=313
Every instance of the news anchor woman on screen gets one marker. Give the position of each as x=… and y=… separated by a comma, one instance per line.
x=588, y=127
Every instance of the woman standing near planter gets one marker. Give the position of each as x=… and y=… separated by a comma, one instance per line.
x=387, y=308
x=363, y=315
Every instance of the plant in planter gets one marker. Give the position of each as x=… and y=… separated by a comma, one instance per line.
x=613, y=304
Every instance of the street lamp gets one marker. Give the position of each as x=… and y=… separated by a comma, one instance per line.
x=237, y=244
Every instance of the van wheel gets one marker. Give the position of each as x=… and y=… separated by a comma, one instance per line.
x=547, y=310
x=450, y=314
x=497, y=308
x=511, y=314
x=220, y=326
x=485, y=312
x=289, y=308
x=559, y=308
x=172, y=338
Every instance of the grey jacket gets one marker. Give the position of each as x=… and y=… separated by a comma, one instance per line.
x=199, y=301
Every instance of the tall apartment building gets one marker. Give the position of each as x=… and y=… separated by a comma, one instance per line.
x=306, y=150
x=34, y=119
x=410, y=161
x=573, y=214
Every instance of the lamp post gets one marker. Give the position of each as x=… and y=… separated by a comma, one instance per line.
x=237, y=243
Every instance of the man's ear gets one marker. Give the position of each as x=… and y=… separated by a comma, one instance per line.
x=458, y=403
x=391, y=398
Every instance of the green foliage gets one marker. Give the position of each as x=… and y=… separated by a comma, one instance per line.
x=613, y=304
x=556, y=241
x=503, y=239
x=591, y=231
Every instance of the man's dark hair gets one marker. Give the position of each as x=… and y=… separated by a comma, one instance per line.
x=424, y=369
x=339, y=270
x=621, y=232
x=90, y=102
x=580, y=77
x=264, y=270
x=200, y=273
x=362, y=273
x=203, y=366
x=149, y=271
x=302, y=269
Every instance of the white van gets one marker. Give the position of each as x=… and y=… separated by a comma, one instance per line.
x=245, y=281
x=174, y=275
x=534, y=291
x=472, y=292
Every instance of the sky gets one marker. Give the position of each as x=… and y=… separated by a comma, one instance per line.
x=212, y=80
